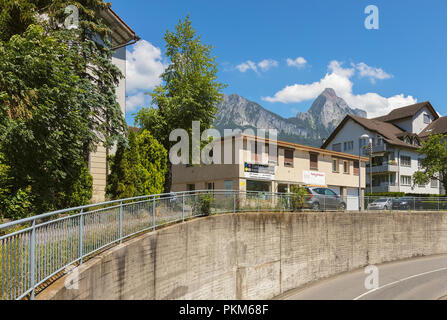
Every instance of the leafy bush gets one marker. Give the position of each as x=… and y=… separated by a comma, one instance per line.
x=386, y=194
x=298, y=197
x=203, y=204
x=18, y=205
x=138, y=168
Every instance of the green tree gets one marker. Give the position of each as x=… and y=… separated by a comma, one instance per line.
x=189, y=91
x=153, y=159
x=434, y=164
x=138, y=168
x=57, y=100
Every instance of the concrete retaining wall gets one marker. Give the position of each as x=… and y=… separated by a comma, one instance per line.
x=251, y=256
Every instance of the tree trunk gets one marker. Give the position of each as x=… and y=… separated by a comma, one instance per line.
x=168, y=178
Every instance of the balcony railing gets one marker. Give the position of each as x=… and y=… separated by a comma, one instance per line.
x=390, y=166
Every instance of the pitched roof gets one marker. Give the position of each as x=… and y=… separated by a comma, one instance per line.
x=438, y=126
x=408, y=111
x=389, y=131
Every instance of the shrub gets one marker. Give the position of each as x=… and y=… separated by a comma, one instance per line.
x=298, y=197
x=203, y=204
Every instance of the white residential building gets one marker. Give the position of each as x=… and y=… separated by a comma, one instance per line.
x=395, y=139
x=122, y=36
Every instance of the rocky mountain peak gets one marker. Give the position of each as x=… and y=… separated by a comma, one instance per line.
x=327, y=111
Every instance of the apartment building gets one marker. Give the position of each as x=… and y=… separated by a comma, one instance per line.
x=122, y=36
x=394, y=139
x=247, y=164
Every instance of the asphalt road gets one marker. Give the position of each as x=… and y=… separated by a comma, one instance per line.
x=415, y=279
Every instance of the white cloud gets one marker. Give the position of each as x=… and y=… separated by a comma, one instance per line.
x=267, y=64
x=299, y=62
x=339, y=79
x=371, y=72
x=248, y=65
x=136, y=101
x=264, y=65
x=144, y=66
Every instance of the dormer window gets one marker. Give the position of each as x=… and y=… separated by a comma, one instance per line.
x=427, y=118
x=408, y=140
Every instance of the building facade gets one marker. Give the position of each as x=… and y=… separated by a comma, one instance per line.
x=394, y=140
x=246, y=163
x=122, y=36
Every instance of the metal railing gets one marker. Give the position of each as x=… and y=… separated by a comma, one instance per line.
x=36, y=250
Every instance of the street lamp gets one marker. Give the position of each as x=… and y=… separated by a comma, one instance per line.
x=363, y=137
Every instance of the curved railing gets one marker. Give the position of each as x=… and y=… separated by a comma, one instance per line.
x=36, y=250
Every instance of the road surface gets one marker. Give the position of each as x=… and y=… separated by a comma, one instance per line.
x=414, y=279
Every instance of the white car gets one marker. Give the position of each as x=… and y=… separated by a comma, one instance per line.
x=381, y=204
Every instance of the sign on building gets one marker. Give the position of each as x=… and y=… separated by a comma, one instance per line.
x=259, y=171
x=313, y=177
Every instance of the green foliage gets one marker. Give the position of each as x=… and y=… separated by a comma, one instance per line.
x=153, y=160
x=57, y=101
x=138, y=168
x=203, y=204
x=386, y=194
x=299, y=194
x=434, y=165
x=189, y=92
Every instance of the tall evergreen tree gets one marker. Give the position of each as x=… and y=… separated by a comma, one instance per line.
x=189, y=92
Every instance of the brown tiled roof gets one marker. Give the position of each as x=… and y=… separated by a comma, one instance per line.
x=134, y=129
x=408, y=111
x=438, y=126
x=389, y=131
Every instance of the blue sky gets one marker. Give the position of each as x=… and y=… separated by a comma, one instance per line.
x=326, y=41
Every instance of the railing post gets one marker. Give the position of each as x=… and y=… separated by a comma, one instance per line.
x=234, y=201
x=439, y=208
x=81, y=226
x=121, y=222
x=153, y=214
x=33, y=258
x=258, y=200
x=183, y=207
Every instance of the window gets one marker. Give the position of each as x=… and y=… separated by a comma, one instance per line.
x=329, y=192
x=356, y=168
x=405, y=180
x=427, y=118
x=434, y=183
x=288, y=158
x=336, y=147
x=405, y=161
x=210, y=186
x=191, y=187
x=349, y=146
x=228, y=185
x=346, y=167
x=335, y=166
x=313, y=161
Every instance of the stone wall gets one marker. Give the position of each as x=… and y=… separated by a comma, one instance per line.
x=251, y=256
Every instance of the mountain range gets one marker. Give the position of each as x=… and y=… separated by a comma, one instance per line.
x=308, y=128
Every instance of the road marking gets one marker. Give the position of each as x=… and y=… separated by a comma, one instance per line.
x=398, y=281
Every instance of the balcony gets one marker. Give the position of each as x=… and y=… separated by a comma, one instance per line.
x=379, y=148
x=385, y=187
x=390, y=166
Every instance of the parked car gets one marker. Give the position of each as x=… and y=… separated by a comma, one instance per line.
x=322, y=198
x=407, y=203
x=381, y=204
